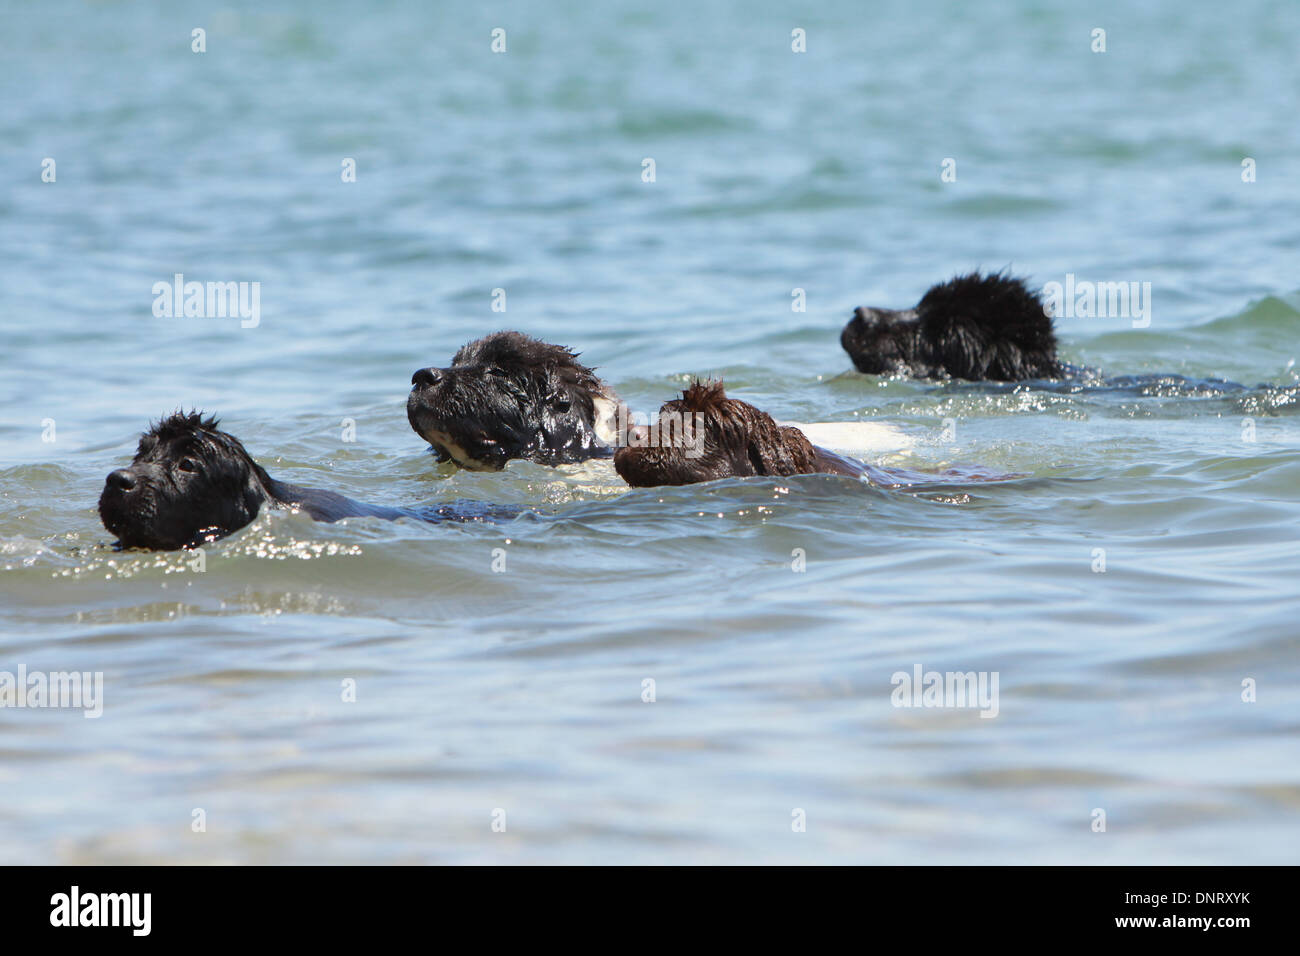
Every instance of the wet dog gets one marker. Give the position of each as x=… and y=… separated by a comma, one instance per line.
x=704, y=435
x=192, y=483
x=976, y=327
x=510, y=396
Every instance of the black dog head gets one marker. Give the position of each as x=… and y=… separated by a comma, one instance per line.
x=189, y=483
x=704, y=435
x=977, y=327
x=510, y=396
x=883, y=341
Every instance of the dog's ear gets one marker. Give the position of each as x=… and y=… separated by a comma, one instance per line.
x=252, y=485
x=779, y=449
x=256, y=489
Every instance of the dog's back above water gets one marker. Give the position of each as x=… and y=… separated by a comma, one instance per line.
x=190, y=483
x=704, y=435
x=975, y=327
x=993, y=329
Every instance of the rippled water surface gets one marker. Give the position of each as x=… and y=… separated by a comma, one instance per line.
x=1122, y=590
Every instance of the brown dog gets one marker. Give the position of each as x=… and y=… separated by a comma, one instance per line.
x=704, y=435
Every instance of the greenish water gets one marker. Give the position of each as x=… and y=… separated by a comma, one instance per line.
x=522, y=691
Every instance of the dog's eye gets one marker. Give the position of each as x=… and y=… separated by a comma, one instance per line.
x=188, y=464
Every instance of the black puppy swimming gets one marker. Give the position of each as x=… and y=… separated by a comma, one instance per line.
x=981, y=328
x=511, y=396
x=704, y=435
x=190, y=483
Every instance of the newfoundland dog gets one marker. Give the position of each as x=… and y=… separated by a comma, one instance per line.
x=511, y=396
x=191, y=483
x=704, y=435
x=976, y=327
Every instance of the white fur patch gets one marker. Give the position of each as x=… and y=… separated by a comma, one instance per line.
x=606, y=415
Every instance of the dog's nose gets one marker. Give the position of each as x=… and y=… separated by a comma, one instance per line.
x=121, y=479
x=427, y=377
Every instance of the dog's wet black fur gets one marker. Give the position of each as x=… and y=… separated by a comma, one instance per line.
x=975, y=327
x=992, y=330
x=192, y=483
x=737, y=440
x=510, y=396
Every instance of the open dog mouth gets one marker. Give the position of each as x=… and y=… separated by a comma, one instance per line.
x=476, y=452
x=471, y=448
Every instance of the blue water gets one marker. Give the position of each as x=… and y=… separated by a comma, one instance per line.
x=522, y=691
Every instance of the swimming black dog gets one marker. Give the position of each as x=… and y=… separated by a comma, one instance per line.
x=511, y=396
x=976, y=327
x=191, y=483
x=704, y=435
